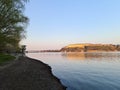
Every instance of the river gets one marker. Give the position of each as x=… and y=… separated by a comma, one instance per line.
x=84, y=71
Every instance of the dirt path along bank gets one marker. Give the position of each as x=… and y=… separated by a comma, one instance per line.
x=28, y=74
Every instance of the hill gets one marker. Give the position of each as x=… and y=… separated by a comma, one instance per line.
x=88, y=47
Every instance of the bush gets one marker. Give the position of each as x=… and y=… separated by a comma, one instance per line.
x=5, y=58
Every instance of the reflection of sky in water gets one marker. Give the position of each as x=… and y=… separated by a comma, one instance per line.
x=85, y=71
x=84, y=56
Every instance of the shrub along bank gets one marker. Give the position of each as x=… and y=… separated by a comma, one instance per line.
x=5, y=58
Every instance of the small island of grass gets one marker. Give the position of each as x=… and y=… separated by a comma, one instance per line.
x=5, y=58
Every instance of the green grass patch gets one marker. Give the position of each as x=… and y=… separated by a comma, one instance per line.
x=5, y=58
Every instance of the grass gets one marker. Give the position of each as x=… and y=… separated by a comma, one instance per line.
x=5, y=58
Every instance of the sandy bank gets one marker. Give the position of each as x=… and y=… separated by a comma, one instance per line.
x=28, y=74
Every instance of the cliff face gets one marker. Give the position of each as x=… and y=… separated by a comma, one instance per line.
x=90, y=47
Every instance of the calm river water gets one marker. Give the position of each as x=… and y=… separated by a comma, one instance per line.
x=84, y=71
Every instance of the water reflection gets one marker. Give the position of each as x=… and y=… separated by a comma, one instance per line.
x=84, y=56
x=84, y=71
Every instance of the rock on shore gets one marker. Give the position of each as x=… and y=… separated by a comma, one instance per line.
x=28, y=74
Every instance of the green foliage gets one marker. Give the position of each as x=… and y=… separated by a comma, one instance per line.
x=104, y=48
x=118, y=47
x=12, y=22
x=5, y=58
x=23, y=48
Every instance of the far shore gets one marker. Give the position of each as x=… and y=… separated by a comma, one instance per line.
x=28, y=74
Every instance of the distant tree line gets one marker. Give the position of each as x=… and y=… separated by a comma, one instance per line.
x=118, y=47
x=73, y=49
x=12, y=24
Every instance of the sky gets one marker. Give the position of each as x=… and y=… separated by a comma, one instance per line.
x=57, y=23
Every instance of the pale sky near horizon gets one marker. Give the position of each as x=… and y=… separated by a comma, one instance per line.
x=57, y=23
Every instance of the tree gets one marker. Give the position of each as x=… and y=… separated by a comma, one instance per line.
x=23, y=48
x=12, y=22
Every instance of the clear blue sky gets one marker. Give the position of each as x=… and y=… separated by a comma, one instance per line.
x=56, y=23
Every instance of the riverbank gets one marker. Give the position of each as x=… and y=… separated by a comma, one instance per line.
x=28, y=74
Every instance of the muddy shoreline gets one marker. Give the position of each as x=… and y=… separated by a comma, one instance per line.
x=28, y=74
